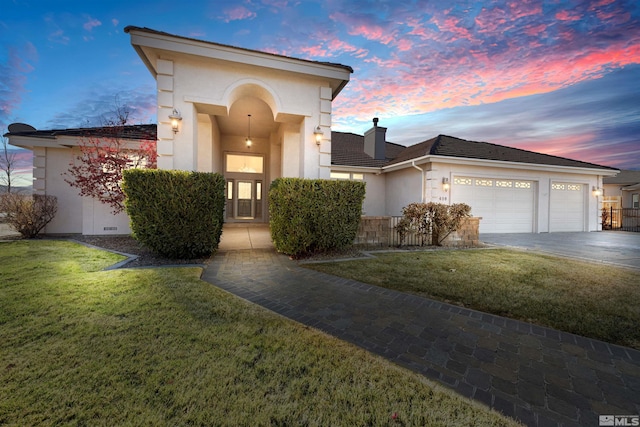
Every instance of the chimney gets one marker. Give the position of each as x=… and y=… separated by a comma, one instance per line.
x=375, y=141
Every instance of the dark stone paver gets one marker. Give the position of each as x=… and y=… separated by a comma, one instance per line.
x=537, y=375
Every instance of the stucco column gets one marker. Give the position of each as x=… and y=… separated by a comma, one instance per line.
x=325, y=126
x=164, y=82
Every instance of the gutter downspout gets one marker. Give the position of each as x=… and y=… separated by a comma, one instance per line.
x=413, y=163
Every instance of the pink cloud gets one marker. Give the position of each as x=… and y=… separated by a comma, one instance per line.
x=58, y=36
x=340, y=46
x=565, y=15
x=364, y=26
x=586, y=146
x=535, y=30
x=91, y=23
x=490, y=20
x=238, y=13
x=453, y=25
x=524, y=8
x=478, y=78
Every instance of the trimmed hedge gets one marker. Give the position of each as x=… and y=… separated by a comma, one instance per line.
x=314, y=215
x=176, y=214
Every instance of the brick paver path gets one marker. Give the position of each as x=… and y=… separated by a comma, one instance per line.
x=540, y=376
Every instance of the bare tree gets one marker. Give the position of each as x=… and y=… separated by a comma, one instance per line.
x=8, y=165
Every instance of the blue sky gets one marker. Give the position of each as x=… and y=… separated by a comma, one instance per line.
x=559, y=77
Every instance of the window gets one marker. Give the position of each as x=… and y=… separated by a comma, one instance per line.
x=244, y=163
x=635, y=201
x=484, y=182
x=462, y=181
x=347, y=175
x=523, y=184
x=340, y=175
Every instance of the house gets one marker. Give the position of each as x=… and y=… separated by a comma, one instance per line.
x=623, y=190
x=621, y=201
x=256, y=116
x=512, y=190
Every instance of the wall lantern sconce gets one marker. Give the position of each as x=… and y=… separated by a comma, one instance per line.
x=317, y=133
x=445, y=184
x=175, y=118
x=597, y=192
x=248, y=141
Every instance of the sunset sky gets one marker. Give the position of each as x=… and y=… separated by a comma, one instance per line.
x=560, y=77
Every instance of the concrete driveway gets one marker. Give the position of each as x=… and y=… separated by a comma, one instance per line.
x=611, y=247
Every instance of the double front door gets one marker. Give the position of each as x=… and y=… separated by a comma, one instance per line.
x=244, y=199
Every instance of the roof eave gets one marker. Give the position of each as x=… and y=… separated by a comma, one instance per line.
x=500, y=163
x=147, y=38
x=407, y=163
x=363, y=169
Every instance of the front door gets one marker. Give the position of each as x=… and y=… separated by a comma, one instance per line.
x=245, y=175
x=244, y=199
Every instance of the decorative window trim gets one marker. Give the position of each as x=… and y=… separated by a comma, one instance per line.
x=462, y=181
x=523, y=184
x=484, y=182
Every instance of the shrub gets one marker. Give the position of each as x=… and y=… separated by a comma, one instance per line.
x=434, y=220
x=314, y=215
x=28, y=214
x=176, y=214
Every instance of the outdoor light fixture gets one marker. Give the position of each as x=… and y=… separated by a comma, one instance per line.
x=596, y=191
x=318, y=134
x=249, y=133
x=445, y=184
x=175, y=118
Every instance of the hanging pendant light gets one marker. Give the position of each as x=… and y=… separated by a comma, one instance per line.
x=248, y=141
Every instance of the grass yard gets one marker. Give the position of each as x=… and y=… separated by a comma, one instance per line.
x=81, y=346
x=592, y=300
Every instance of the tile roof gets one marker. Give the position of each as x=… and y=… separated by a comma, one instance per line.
x=148, y=131
x=350, y=150
x=625, y=177
x=347, y=149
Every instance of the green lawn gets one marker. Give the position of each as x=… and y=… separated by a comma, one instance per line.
x=593, y=300
x=82, y=346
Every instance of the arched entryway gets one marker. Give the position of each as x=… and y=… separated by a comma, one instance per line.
x=248, y=169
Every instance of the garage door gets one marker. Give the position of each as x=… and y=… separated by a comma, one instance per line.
x=505, y=205
x=567, y=206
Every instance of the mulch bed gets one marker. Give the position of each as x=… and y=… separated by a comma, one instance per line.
x=128, y=245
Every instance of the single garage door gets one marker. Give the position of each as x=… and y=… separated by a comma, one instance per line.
x=567, y=206
x=505, y=205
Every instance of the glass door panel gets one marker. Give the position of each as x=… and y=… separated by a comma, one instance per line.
x=244, y=199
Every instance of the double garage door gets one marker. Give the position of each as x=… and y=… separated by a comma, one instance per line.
x=509, y=205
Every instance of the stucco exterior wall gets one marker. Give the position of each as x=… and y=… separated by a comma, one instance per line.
x=402, y=187
x=375, y=197
x=68, y=220
x=98, y=219
x=199, y=87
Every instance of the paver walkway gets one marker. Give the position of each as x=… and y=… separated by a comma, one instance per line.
x=538, y=375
